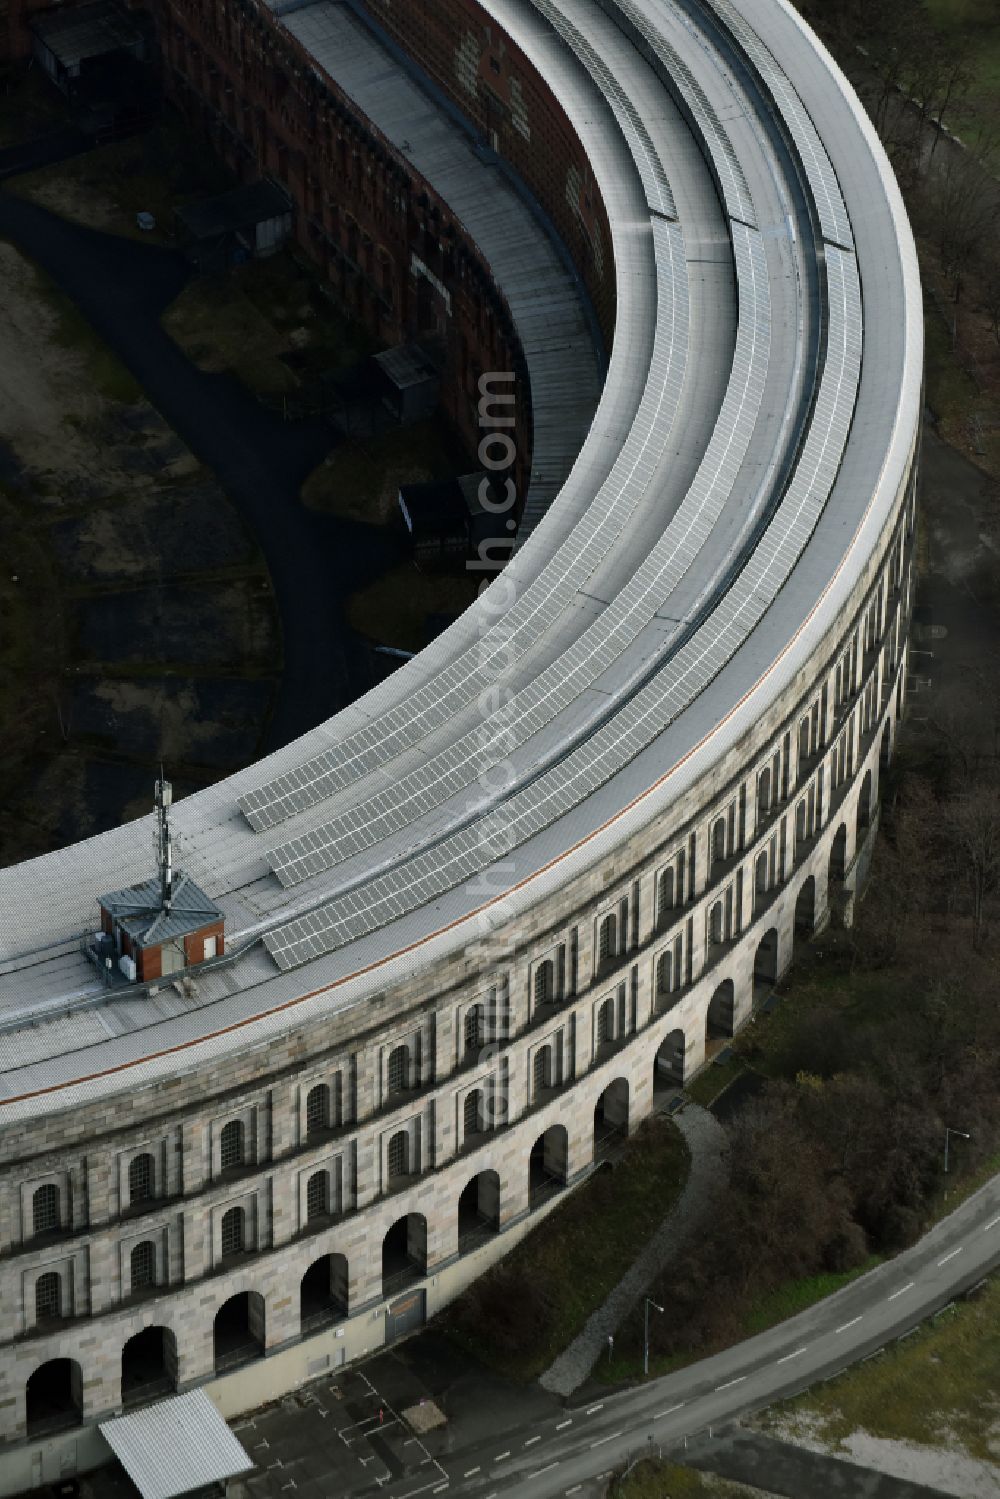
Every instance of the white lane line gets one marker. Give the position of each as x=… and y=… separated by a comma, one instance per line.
x=539, y=1471
x=951, y=1256
x=471, y=1473
x=562, y=1427
x=440, y=1488
x=659, y=1415
x=908, y=1287
x=500, y=1457
x=992, y=1223
x=797, y=1354
x=574, y=1490
x=592, y=1408
x=601, y=1440
x=729, y=1383
x=853, y=1323
x=531, y=1441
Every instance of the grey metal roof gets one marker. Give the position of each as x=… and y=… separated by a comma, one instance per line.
x=767, y=554
x=139, y=910
x=241, y=208
x=176, y=1445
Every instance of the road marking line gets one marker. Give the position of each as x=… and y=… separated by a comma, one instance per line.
x=531, y=1441
x=440, y=1488
x=500, y=1457
x=601, y=1440
x=574, y=1490
x=992, y=1224
x=472, y=1472
x=539, y=1471
x=660, y=1414
x=797, y=1354
x=729, y=1383
x=592, y=1408
x=853, y=1323
x=951, y=1256
x=562, y=1427
x=908, y=1287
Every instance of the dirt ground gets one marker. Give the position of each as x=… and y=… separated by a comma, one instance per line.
x=120, y=640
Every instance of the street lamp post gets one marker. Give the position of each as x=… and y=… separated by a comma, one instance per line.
x=961, y=1134
x=645, y=1341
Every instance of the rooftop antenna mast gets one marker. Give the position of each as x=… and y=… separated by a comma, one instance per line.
x=164, y=852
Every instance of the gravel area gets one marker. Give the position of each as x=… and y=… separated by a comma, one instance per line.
x=708, y=1143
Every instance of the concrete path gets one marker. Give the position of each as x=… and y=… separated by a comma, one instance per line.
x=781, y=1468
x=708, y=1143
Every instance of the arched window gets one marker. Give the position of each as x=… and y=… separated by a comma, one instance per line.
x=317, y=1195
x=233, y=1231
x=472, y=1113
x=398, y=1070
x=719, y=841
x=542, y=1071
x=231, y=1145
x=665, y=893
x=143, y=1265
x=664, y=972
x=48, y=1296
x=607, y=940
x=140, y=1178
x=45, y=1209
x=399, y=1154
x=544, y=982
x=473, y=1030
x=317, y=1109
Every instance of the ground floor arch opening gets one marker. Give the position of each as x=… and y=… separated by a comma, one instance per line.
x=149, y=1365
x=668, y=1064
x=54, y=1396
x=239, y=1330
x=478, y=1211
x=836, y=874
x=720, y=1017
x=765, y=965
x=404, y=1253
x=864, y=818
x=323, y=1292
x=548, y=1164
x=611, y=1116
x=805, y=914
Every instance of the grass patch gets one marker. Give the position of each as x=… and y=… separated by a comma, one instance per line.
x=655, y=1480
x=797, y=1295
x=394, y=609
x=520, y=1316
x=977, y=24
x=267, y=322
x=715, y=1079
x=361, y=482
x=939, y=1385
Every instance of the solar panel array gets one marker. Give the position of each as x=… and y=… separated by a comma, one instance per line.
x=577, y=668
x=464, y=853
x=647, y=160
x=835, y=222
x=681, y=83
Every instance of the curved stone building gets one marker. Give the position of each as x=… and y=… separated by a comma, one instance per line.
x=415, y=968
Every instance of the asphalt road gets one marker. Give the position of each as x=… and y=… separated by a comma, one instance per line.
x=571, y=1452
x=122, y=286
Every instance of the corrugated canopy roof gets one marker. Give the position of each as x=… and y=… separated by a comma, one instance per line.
x=175, y=1446
x=139, y=911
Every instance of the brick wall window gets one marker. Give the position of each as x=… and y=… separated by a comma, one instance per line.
x=398, y=1069
x=48, y=1296
x=233, y=1231
x=399, y=1154
x=317, y=1196
x=45, y=1209
x=140, y=1178
x=318, y=1109
x=232, y=1150
x=142, y=1265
